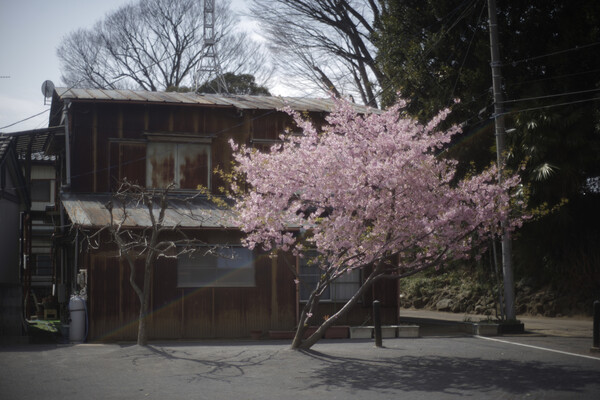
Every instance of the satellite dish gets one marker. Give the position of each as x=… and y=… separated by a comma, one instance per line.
x=47, y=88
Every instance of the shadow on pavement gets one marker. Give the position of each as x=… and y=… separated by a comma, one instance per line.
x=221, y=367
x=452, y=375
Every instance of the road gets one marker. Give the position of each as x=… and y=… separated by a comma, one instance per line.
x=446, y=367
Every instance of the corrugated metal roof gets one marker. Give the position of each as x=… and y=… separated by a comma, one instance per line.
x=5, y=142
x=89, y=210
x=244, y=102
x=32, y=142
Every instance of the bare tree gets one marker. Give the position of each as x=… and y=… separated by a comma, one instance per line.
x=324, y=42
x=156, y=44
x=150, y=240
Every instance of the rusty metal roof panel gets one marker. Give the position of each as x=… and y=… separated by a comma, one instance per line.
x=298, y=103
x=89, y=210
x=119, y=95
x=155, y=97
x=213, y=99
x=94, y=94
x=31, y=143
x=198, y=99
x=243, y=102
x=186, y=98
x=98, y=94
x=266, y=102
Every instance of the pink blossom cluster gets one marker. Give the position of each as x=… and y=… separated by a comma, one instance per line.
x=367, y=188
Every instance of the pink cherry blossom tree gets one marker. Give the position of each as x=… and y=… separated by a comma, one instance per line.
x=368, y=191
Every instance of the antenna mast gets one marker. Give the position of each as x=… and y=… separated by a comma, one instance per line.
x=209, y=64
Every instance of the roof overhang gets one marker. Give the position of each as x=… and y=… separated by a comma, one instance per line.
x=33, y=141
x=90, y=211
x=240, y=102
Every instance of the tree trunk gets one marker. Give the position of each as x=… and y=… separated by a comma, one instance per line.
x=142, y=339
x=306, y=344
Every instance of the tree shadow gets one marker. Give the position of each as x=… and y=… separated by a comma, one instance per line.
x=451, y=375
x=186, y=363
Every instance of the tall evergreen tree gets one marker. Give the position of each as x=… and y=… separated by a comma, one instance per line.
x=435, y=51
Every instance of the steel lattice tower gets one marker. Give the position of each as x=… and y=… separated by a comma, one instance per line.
x=209, y=65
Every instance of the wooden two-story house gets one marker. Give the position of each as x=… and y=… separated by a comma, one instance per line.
x=153, y=139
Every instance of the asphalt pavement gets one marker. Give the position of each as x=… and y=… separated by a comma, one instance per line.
x=548, y=362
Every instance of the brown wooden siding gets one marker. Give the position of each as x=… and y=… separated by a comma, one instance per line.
x=97, y=161
x=187, y=119
x=107, y=119
x=108, y=144
x=270, y=125
x=127, y=160
x=82, y=140
x=187, y=313
x=134, y=121
x=159, y=119
x=202, y=313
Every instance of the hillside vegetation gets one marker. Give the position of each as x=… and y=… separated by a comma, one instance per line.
x=473, y=289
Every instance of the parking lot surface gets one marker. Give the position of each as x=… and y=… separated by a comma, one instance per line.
x=420, y=368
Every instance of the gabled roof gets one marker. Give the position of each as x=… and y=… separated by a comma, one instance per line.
x=243, y=102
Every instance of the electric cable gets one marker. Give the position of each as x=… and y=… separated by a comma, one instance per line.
x=550, y=96
x=576, y=48
x=547, y=106
x=551, y=78
x=24, y=119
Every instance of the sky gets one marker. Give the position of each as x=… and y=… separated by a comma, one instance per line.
x=30, y=32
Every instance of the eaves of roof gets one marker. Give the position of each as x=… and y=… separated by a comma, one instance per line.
x=243, y=102
x=89, y=210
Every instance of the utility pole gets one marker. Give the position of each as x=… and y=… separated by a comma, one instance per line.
x=507, y=269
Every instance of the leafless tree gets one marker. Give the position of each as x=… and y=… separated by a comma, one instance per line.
x=157, y=44
x=149, y=238
x=325, y=43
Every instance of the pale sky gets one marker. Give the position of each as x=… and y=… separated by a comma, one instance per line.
x=30, y=32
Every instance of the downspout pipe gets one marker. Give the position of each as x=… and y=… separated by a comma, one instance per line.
x=65, y=118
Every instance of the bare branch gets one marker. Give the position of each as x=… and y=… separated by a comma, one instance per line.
x=325, y=42
x=156, y=44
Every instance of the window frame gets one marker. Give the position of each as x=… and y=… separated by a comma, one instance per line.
x=333, y=290
x=216, y=272
x=177, y=140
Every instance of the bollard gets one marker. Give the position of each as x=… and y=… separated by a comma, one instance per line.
x=597, y=324
x=377, y=323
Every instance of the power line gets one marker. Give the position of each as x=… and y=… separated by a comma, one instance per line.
x=551, y=78
x=467, y=52
x=25, y=119
x=551, y=95
x=549, y=106
x=576, y=48
x=81, y=80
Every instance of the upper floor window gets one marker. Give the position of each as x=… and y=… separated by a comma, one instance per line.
x=186, y=164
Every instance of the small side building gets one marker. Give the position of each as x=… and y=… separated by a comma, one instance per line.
x=13, y=203
x=27, y=201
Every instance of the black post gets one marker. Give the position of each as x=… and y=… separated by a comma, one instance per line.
x=596, y=324
x=377, y=322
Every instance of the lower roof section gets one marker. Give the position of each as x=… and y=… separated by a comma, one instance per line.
x=90, y=210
